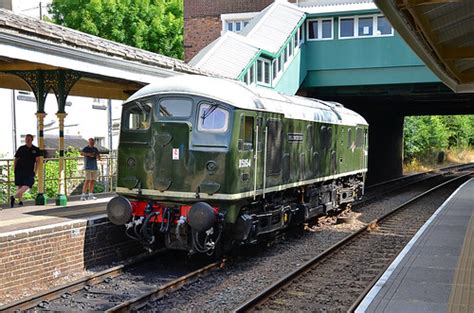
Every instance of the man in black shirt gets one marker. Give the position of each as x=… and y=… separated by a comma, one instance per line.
x=26, y=161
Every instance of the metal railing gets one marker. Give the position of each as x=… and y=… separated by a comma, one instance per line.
x=73, y=178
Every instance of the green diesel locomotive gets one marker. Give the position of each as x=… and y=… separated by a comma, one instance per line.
x=206, y=163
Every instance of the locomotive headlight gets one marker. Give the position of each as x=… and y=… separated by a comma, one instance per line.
x=211, y=167
x=131, y=162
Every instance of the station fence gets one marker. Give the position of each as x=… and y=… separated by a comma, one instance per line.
x=73, y=178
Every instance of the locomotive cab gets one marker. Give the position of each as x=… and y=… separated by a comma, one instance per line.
x=172, y=146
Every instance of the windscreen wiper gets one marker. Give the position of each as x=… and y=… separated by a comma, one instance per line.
x=209, y=111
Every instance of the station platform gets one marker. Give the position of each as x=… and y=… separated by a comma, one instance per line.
x=30, y=216
x=435, y=271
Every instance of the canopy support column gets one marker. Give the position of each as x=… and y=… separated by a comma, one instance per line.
x=41, y=82
x=61, y=199
x=41, y=199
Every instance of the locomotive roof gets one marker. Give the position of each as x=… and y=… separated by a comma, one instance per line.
x=242, y=96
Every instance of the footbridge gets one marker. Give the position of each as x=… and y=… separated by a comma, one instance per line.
x=340, y=50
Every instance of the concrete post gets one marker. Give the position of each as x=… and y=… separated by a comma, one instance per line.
x=385, y=146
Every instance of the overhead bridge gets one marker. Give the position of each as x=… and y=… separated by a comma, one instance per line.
x=345, y=51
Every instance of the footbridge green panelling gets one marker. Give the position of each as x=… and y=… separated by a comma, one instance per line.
x=363, y=61
x=292, y=78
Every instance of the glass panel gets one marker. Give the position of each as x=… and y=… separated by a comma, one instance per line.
x=137, y=115
x=312, y=29
x=230, y=26
x=267, y=72
x=365, y=26
x=327, y=29
x=252, y=77
x=274, y=67
x=245, y=23
x=383, y=26
x=285, y=55
x=175, y=107
x=279, y=64
x=301, y=33
x=290, y=48
x=212, y=118
x=259, y=71
x=248, y=133
x=237, y=26
x=347, y=27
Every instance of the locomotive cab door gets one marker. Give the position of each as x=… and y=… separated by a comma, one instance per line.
x=259, y=155
x=246, y=148
x=251, y=152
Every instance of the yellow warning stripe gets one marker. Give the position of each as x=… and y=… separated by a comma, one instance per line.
x=461, y=298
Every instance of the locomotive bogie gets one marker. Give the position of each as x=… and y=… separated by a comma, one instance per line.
x=225, y=163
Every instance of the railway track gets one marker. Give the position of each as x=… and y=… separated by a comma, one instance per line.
x=118, y=289
x=338, y=278
x=87, y=294
x=376, y=190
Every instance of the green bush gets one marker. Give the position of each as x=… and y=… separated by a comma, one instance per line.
x=425, y=136
x=51, y=170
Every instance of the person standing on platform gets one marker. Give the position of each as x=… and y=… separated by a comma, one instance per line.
x=25, y=168
x=91, y=155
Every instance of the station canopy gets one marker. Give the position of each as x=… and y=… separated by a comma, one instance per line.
x=106, y=69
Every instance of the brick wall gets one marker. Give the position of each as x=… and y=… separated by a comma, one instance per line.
x=198, y=33
x=202, y=23
x=33, y=259
x=200, y=8
x=6, y=4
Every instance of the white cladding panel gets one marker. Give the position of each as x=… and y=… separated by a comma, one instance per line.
x=275, y=26
x=229, y=55
x=242, y=96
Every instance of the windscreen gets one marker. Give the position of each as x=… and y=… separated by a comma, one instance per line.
x=136, y=115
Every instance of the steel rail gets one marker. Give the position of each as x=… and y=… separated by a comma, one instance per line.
x=412, y=176
x=162, y=290
x=443, y=171
x=74, y=286
x=273, y=289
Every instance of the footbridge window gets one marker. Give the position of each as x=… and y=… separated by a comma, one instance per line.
x=263, y=71
x=320, y=29
x=364, y=26
x=235, y=22
x=249, y=77
x=268, y=71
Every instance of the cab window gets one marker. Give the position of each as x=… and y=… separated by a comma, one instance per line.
x=174, y=108
x=246, y=133
x=213, y=118
x=136, y=115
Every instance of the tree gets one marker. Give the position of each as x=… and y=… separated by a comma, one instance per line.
x=153, y=25
x=427, y=134
x=423, y=135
